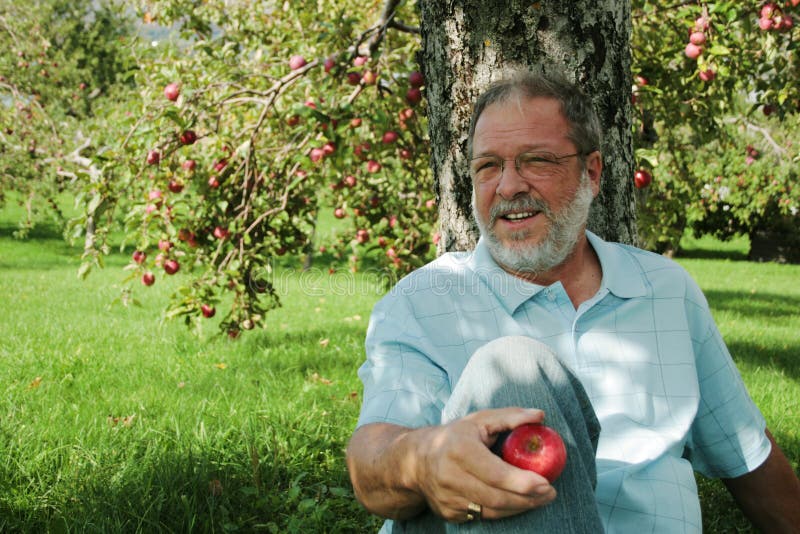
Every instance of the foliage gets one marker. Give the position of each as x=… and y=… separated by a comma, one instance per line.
x=64, y=62
x=276, y=113
x=748, y=186
x=298, y=128
x=685, y=106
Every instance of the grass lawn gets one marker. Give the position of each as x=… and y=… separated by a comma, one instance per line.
x=112, y=421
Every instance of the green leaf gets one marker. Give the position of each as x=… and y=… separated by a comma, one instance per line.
x=719, y=50
x=173, y=114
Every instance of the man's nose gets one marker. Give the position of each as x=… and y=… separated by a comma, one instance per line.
x=511, y=183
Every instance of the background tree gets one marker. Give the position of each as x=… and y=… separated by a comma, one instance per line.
x=63, y=62
x=467, y=44
x=248, y=131
x=716, y=101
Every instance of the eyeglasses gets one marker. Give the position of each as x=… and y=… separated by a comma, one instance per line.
x=529, y=165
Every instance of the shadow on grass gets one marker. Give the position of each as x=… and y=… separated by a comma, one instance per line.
x=784, y=358
x=43, y=230
x=711, y=254
x=280, y=483
x=45, y=248
x=759, y=304
x=707, y=247
x=763, y=307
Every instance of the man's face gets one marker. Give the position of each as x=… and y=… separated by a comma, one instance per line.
x=531, y=223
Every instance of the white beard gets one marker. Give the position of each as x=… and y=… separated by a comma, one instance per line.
x=562, y=234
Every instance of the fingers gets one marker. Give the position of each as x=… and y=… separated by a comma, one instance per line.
x=453, y=502
x=460, y=468
x=503, y=419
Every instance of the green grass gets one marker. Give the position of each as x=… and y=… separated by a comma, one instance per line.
x=757, y=309
x=111, y=421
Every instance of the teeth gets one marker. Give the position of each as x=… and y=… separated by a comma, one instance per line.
x=517, y=216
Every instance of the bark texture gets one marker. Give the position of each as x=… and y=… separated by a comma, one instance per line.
x=467, y=44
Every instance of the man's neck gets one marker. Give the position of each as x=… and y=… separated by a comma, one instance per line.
x=580, y=273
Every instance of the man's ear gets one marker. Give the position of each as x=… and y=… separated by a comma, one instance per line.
x=594, y=168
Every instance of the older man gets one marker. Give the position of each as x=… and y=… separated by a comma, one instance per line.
x=613, y=346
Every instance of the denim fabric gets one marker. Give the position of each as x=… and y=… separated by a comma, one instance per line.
x=519, y=371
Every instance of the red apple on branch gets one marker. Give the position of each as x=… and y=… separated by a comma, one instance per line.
x=171, y=266
x=207, y=311
x=297, y=62
x=220, y=232
x=707, y=75
x=537, y=448
x=148, y=278
x=172, y=91
x=692, y=51
x=642, y=178
x=188, y=137
x=697, y=38
x=153, y=157
x=175, y=186
x=369, y=77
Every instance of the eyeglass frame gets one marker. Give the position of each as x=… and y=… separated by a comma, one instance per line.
x=516, y=159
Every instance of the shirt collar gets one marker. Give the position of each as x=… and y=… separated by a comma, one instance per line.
x=510, y=290
x=622, y=275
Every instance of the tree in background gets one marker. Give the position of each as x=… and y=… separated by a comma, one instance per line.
x=716, y=91
x=259, y=122
x=243, y=136
x=63, y=63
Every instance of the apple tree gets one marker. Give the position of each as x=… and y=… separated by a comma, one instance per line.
x=262, y=123
x=255, y=128
x=715, y=90
x=63, y=63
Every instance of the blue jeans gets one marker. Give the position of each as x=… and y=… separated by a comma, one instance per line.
x=520, y=371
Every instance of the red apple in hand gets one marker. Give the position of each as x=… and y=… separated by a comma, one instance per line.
x=537, y=448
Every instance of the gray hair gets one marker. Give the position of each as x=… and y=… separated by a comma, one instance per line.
x=584, y=125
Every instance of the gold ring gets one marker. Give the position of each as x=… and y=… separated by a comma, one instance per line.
x=474, y=511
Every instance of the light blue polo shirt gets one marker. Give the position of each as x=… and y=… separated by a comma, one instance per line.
x=665, y=390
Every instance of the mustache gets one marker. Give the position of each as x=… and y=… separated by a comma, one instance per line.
x=523, y=203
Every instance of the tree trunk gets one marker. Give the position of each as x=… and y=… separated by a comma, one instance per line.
x=466, y=44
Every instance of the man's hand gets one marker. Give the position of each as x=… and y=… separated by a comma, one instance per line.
x=397, y=472
x=456, y=467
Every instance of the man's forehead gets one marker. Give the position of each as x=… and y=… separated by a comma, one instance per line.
x=529, y=121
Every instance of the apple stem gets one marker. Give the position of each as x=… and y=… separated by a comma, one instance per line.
x=535, y=444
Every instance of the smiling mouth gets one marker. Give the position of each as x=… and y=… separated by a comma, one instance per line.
x=519, y=215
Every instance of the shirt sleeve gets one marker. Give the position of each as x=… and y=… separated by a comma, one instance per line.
x=402, y=385
x=727, y=438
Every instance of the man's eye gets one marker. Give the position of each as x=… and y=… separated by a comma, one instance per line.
x=484, y=165
x=536, y=159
